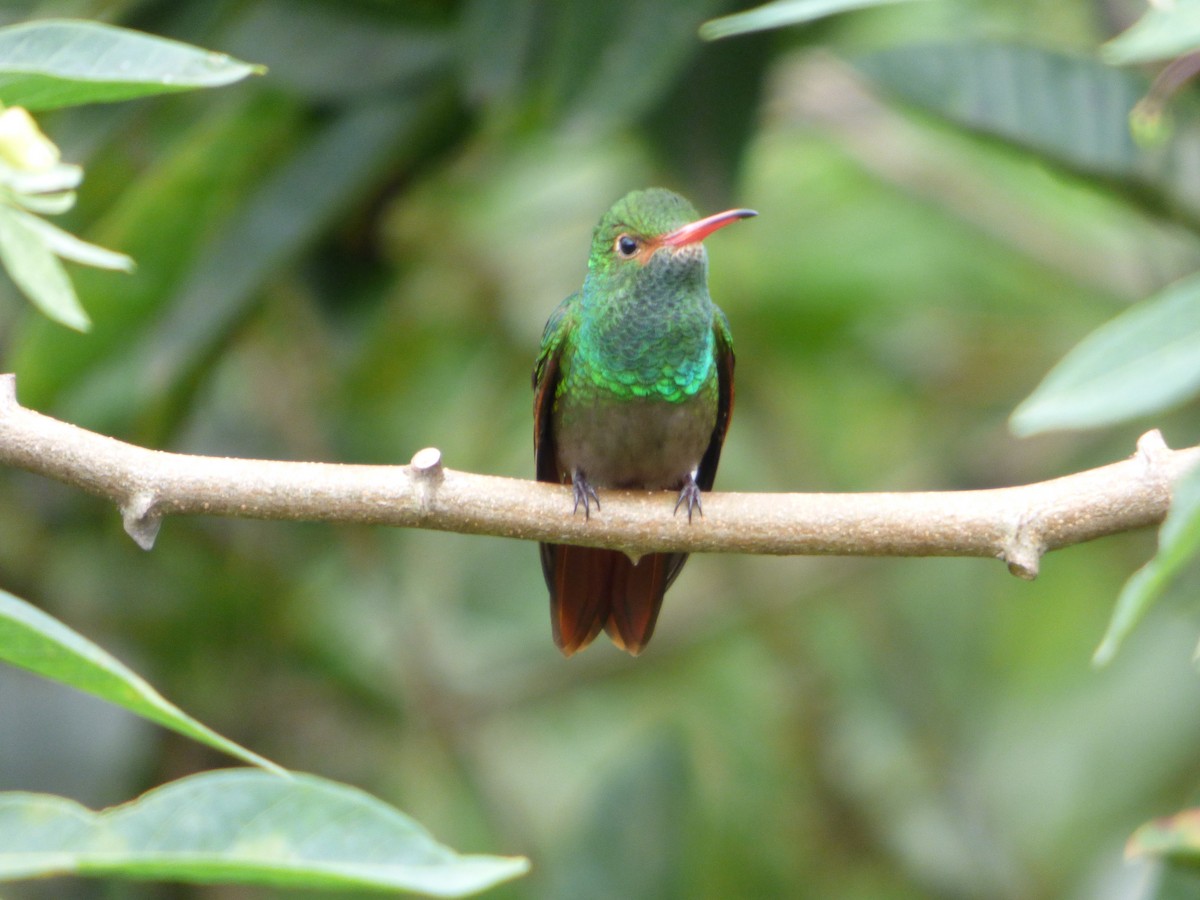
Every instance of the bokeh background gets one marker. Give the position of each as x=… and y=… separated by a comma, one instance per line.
x=352, y=257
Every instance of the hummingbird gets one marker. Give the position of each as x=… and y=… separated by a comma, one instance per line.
x=633, y=388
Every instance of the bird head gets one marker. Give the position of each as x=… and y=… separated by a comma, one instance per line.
x=652, y=236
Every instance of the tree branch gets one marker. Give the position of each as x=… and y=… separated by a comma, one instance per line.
x=1015, y=524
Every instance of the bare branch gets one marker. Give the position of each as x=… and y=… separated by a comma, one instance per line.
x=1015, y=524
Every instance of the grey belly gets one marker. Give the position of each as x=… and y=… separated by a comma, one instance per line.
x=633, y=444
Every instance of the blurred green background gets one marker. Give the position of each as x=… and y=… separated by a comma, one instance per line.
x=352, y=258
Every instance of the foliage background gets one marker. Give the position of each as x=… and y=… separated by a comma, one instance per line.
x=352, y=258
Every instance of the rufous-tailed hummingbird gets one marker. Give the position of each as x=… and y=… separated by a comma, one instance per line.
x=633, y=388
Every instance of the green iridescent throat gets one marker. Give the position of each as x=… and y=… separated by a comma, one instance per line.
x=650, y=337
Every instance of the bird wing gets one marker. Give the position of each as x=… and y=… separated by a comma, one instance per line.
x=580, y=579
x=723, y=351
x=545, y=386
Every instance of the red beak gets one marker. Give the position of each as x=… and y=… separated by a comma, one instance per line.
x=694, y=232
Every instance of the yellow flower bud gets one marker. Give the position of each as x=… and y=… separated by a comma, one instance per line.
x=22, y=144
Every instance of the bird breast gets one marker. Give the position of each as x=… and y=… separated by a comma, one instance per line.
x=633, y=442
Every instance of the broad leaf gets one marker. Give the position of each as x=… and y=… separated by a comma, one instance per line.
x=35, y=641
x=52, y=63
x=245, y=826
x=1143, y=361
x=35, y=269
x=1164, y=31
x=1178, y=544
x=781, y=14
x=1074, y=110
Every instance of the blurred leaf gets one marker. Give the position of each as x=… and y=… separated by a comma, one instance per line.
x=287, y=212
x=703, y=125
x=1145, y=360
x=588, y=66
x=242, y=826
x=1176, y=837
x=332, y=51
x=35, y=641
x=59, y=62
x=35, y=269
x=633, y=839
x=1178, y=544
x=780, y=14
x=654, y=38
x=206, y=172
x=1073, y=109
x=495, y=39
x=1165, y=30
x=64, y=244
x=1175, y=882
x=48, y=204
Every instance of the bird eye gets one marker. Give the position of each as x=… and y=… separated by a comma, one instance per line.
x=626, y=246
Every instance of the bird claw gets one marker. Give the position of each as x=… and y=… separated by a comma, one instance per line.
x=690, y=495
x=585, y=494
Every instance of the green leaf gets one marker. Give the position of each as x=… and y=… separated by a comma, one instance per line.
x=781, y=14
x=36, y=270
x=1071, y=109
x=656, y=42
x=1178, y=544
x=500, y=34
x=242, y=826
x=1164, y=31
x=35, y=641
x=652, y=784
x=333, y=52
x=46, y=204
x=53, y=63
x=1175, y=837
x=208, y=168
x=1145, y=360
x=64, y=244
x=274, y=223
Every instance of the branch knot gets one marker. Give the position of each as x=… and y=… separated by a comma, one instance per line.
x=141, y=523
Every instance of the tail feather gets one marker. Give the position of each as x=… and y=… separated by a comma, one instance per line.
x=591, y=588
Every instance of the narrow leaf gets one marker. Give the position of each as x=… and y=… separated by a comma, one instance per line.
x=218, y=160
x=64, y=244
x=37, y=272
x=46, y=204
x=242, y=826
x=340, y=52
x=52, y=63
x=1164, y=31
x=1178, y=543
x=1145, y=360
x=781, y=14
x=1176, y=837
x=62, y=177
x=35, y=641
x=274, y=222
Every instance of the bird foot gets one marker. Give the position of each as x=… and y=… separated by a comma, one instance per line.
x=585, y=494
x=690, y=495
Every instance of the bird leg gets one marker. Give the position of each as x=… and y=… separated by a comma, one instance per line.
x=690, y=494
x=584, y=493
